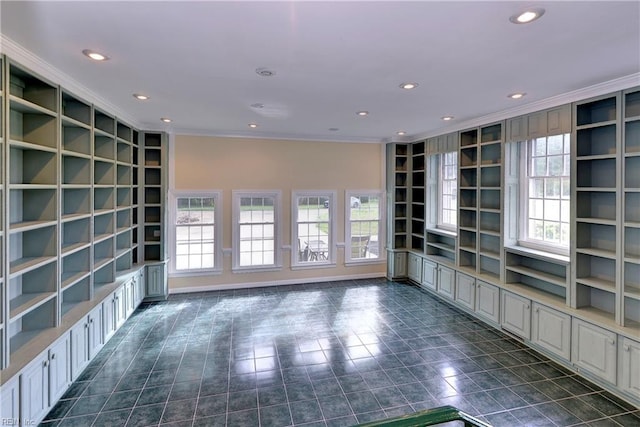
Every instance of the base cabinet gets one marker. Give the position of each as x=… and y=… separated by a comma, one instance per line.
x=551, y=330
x=10, y=402
x=629, y=367
x=465, y=291
x=488, y=301
x=516, y=314
x=429, y=274
x=108, y=317
x=86, y=341
x=593, y=350
x=396, y=265
x=157, y=287
x=446, y=282
x=414, y=267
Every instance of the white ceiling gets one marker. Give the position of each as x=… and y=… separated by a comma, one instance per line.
x=197, y=60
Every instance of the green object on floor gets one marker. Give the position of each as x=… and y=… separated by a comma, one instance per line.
x=428, y=417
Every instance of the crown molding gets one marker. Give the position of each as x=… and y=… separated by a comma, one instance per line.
x=275, y=136
x=25, y=58
x=599, y=89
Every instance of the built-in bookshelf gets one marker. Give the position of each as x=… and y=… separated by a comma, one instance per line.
x=67, y=208
x=630, y=243
x=398, y=188
x=468, y=200
x=418, y=196
x=154, y=187
x=596, y=170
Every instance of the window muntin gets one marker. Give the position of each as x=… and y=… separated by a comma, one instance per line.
x=255, y=234
x=546, y=193
x=313, y=228
x=448, y=191
x=195, y=232
x=364, y=226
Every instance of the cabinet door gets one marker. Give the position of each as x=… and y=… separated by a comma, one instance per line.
x=559, y=120
x=400, y=264
x=130, y=290
x=466, y=291
x=108, y=318
x=59, y=368
x=429, y=274
x=593, y=349
x=488, y=301
x=79, y=348
x=120, y=308
x=156, y=281
x=516, y=314
x=537, y=124
x=446, y=281
x=139, y=287
x=96, y=331
x=517, y=129
x=414, y=267
x=551, y=330
x=629, y=375
x=10, y=401
x=34, y=389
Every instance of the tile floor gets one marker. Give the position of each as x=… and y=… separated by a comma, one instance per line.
x=332, y=354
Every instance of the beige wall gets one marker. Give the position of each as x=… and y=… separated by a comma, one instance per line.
x=226, y=164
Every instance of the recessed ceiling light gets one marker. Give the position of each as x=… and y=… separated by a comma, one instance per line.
x=527, y=16
x=166, y=119
x=362, y=113
x=96, y=56
x=401, y=132
x=334, y=129
x=257, y=105
x=265, y=72
x=140, y=96
x=447, y=118
x=516, y=95
x=253, y=125
x=409, y=85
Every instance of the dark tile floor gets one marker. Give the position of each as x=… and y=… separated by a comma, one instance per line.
x=333, y=354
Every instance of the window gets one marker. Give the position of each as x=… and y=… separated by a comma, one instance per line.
x=197, y=240
x=312, y=233
x=364, y=226
x=448, y=191
x=256, y=224
x=545, y=193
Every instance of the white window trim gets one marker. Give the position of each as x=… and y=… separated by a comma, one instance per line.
x=217, y=257
x=277, y=196
x=523, y=202
x=381, y=227
x=440, y=160
x=333, y=197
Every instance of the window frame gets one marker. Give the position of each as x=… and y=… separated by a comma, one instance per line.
x=331, y=195
x=218, y=231
x=237, y=195
x=440, y=206
x=524, y=176
x=381, y=229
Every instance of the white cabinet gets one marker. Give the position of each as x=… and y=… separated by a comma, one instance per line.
x=593, y=349
x=551, y=330
x=465, y=291
x=629, y=368
x=157, y=281
x=34, y=389
x=44, y=380
x=86, y=340
x=414, y=267
x=130, y=297
x=108, y=317
x=10, y=401
x=516, y=314
x=396, y=264
x=120, y=306
x=139, y=285
x=446, y=281
x=429, y=274
x=488, y=301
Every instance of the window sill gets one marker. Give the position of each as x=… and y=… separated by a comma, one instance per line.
x=355, y=263
x=540, y=254
x=256, y=269
x=442, y=232
x=312, y=266
x=191, y=273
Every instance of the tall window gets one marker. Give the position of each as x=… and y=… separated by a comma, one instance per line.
x=448, y=190
x=364, y=226
x=256, y=222
x=546, y=192
x=312, y=234
x=196, y=239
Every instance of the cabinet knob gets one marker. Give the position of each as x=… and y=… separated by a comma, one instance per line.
x=86, y=325
x=626, y=348
x=53, y=356
x=537, y=310
x=90, y=320
x=527, y=306
x=45, y=363
x=612, y=341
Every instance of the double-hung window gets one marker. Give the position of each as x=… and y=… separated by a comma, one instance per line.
x=364, y=226
x=313, y=214
x=448, y=190
x=196, y=218
x=256, y=238
x=545, y=193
